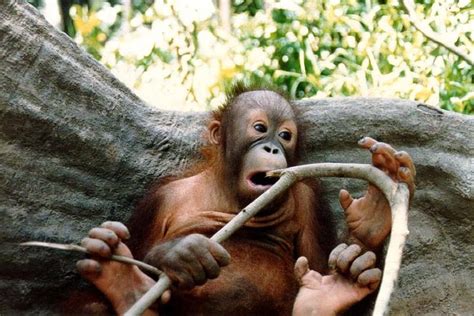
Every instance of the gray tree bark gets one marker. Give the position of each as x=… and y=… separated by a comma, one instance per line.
x=77, y=148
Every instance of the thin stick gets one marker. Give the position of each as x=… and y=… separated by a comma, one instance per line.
x=399, y=205
x=397, y=195
x=225, y=232
x=424, y=28
x=72, y=247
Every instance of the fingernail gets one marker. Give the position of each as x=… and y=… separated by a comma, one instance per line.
x=363, y=140
x=373, y=148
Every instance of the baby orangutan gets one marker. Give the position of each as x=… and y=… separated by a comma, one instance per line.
x=278, y=263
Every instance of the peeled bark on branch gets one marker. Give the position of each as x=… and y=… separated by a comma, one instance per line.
x=77, y=148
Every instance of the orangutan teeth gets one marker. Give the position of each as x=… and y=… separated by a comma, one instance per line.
x=260, y=178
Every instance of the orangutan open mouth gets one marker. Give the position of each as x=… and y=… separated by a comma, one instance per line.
x=260, y=178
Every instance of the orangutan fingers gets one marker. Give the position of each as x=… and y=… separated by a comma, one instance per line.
x=334, y=255
x=219, y=253
x=166, y=297
x=96, y=247
x=345, y=199
x=362, y=263
x=209, y=264
x=370, y=278
x=383, y=157
x=118, y=228
x=301, y=268
x=88, y=267
x=406, y=161
x=199, y=275
x=404, y=175
x=346, y=257
x=183, y=281
x=184, y=272
x=106, y=235
x=367, y=142
x=189, y=270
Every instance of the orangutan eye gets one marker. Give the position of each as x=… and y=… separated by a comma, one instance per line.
x=285, y=135
x=260, y=128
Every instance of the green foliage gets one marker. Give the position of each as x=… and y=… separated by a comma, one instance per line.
x=94, y=27
x=309, y=48
x=250, y=7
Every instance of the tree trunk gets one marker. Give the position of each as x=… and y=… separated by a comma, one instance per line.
x=77, y=148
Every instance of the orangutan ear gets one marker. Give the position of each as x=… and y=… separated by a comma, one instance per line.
x=215, y=132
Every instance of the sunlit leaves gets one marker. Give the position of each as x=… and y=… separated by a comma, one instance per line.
x=175, y=55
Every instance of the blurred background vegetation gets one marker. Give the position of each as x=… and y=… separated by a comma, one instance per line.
x=182, y=54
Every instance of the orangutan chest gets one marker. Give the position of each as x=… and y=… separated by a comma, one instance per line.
x=264, y=287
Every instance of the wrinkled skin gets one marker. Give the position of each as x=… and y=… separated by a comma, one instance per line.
x=255, y=267
x=263, y=138
x=108, y=276
x=190, y=261
x=369, y=218
x=353, y=277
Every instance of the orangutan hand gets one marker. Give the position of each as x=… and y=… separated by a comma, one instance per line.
x=369, y=217
x=353, y=277
x=121, y=283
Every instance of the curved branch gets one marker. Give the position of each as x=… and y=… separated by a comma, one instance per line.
x=397, y=195
x=430, y=34
x=393, y=258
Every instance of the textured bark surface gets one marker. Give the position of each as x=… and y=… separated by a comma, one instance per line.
x=77, y=148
